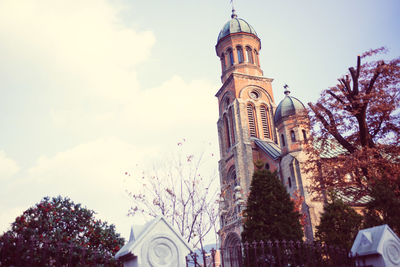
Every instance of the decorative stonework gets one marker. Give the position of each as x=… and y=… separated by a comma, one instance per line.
x=377, y=246
x=157, y=245
x=162, y=252
x=391, y=251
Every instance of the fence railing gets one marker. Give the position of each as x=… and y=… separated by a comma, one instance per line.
x=275, y=254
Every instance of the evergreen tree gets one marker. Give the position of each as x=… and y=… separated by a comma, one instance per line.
x=384, y=208
x=270, y=213
x=339, y=224
x=58, y=232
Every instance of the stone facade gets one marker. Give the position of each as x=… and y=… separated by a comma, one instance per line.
x=250, y=130
x=378, y=246
x=154, y=244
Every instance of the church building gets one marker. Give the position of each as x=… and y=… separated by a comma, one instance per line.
x=252, y=127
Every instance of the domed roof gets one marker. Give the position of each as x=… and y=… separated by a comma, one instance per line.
x=235, y=25
x=287, y=107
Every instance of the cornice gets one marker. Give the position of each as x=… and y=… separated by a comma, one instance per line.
x=241, y=76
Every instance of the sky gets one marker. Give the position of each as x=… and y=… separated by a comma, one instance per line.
x=92, y=89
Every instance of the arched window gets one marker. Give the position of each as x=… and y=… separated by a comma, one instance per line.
x=256, y=57
x=232, y=182
x=227, y=135
x=283, y=140
x=252, y=120
x=231, y=118
x=230, y=57
x=232, y=177
x=304, y=135
x=226, y=103
x=249, y=54
x=267, y=166
x=239, y=54
x=289, y=182
x=292, y=136
x=223, y=62
x=265, y=121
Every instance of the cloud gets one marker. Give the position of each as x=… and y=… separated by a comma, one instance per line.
x=175, y=109
x=92, y=174
x=8, y=215
x=73, y=65
x=8, y=167
x=79, y=60
x=99, y=164
x=79, y=46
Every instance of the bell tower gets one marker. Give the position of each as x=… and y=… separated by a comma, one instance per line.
x=252, y=128
x=246, y=108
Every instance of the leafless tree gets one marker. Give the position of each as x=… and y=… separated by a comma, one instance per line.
x=178, y=190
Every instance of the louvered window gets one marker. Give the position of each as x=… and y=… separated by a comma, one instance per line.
x=265, y=121
x=252, y=121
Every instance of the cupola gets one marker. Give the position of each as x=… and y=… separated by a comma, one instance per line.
x=289, y=106
x=238, y=48
x=236, y=25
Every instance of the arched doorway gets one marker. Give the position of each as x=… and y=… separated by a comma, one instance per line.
x=232, y=251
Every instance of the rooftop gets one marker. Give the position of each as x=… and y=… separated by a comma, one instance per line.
x=235, y=25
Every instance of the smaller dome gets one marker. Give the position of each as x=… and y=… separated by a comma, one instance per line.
x=287, y=107
x=236, y=25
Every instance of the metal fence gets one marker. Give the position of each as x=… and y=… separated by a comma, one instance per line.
x=276, y=254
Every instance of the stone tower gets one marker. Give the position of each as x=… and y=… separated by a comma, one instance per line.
x=245, y=114
x=293, y=127
x=249, y=125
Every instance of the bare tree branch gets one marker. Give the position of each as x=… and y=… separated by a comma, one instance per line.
x=331, y=127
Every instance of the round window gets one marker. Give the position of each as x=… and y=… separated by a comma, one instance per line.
x=254, y=94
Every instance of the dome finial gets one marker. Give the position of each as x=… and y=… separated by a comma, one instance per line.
x=286, y=92
x=234, y=15
x=233, y=11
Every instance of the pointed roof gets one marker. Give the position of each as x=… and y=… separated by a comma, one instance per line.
x=375, y=241
x=141, y=233
x=268, y=147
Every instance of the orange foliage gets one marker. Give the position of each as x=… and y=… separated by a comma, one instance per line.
x=356, y=129
x=298, y=201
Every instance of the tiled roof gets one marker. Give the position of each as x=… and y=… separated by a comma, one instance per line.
x=287, y=107
x=236, y=25
x=346, y=195
x=269, y=147
x=329, y=149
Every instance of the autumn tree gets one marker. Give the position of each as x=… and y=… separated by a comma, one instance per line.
x=181, y=192
x=270, y=213
x=58, y=232
x=356, y=129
